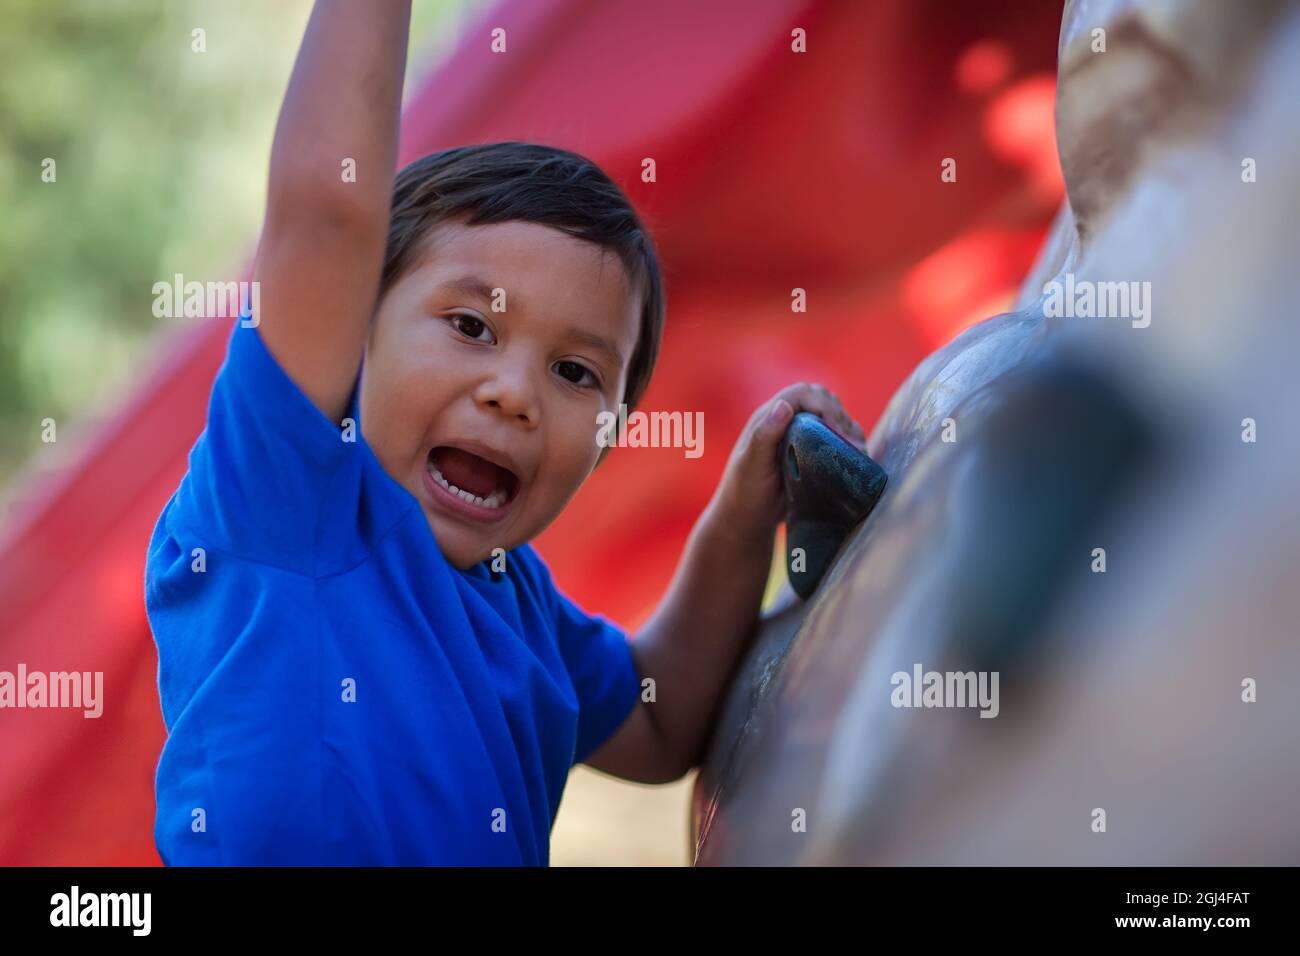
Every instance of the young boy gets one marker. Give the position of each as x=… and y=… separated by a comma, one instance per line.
x=346, y=675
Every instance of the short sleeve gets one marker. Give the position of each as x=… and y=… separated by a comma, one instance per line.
x=599, y=659
x=270, y=477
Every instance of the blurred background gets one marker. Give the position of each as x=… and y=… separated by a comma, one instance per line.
x=818, y=170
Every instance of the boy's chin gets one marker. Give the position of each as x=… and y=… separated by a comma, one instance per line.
x=460, y=547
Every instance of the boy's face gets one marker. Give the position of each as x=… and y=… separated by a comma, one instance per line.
x=445, y=374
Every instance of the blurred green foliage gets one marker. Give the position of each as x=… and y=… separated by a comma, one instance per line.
x=161, y=156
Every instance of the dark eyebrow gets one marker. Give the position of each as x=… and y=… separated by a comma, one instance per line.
x=597, y=342
x=470, y=285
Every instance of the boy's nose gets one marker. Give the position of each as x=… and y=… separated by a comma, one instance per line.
x=510, y=393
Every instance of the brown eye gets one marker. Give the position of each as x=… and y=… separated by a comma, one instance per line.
x=469, y=326
x=573, y=372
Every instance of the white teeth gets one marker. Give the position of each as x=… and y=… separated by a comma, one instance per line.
x=494, y=500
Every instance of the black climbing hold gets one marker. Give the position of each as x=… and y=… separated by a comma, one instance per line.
x=830, y=486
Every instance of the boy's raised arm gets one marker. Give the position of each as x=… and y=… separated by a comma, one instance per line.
x=321, y=252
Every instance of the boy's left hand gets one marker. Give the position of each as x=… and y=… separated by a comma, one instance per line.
x=694, y=639
x=750, y=497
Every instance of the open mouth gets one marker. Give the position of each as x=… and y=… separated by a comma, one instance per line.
x=473, y=479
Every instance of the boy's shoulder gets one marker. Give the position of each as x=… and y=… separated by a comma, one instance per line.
x=576, y=630
x=271, y=480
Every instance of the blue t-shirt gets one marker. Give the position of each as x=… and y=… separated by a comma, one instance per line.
x=335, y=691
